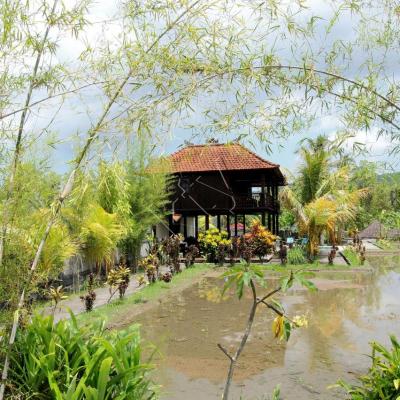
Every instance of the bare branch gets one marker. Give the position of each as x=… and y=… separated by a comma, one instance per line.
x=225, y=352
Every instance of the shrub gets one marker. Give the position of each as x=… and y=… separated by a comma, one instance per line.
x=118, y=279
x=90, y=296
x=383, y=378
x=352, y=256
x=211, y=240
x=171, y=247
x=296, y=256
x=66, y=361
x=260, y=239
x=191, y=255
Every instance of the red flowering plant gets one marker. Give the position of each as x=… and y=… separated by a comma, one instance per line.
x=260, y=240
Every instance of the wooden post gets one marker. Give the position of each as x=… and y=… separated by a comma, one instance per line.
x=263, y=218
x=244, y=224
x=228, y=225
x=207, y=222
x=219, y=222
x=277, y=224
x=196, y=226
x=170, y=221
x=263, y=193
x=273, y=224
x=236, y=232
x=185, y=226
x=269, y=222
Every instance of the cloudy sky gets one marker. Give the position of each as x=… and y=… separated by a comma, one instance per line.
x=74, y=119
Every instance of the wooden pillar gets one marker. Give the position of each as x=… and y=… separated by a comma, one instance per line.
x=185, y=226
x=207, y=222
x=244, y=224
x=277, y=224
x=170, y=224
x=196, y=226
x=273, y=224
x=263, y=194
x=269, y=222
x=263, y=218
x=228, y=225
x=219, y=222
x=236, y=233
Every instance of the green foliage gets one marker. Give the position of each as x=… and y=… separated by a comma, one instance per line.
x=352, y=256
x=65, y=361
x=146, y=193
x=383, y=378
x=296, y=256
x=100, y=234
x=210, y=241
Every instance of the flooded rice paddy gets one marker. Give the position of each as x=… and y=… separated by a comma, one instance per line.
x=349, y=310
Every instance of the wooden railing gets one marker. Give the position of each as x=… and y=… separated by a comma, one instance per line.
x=256, y=200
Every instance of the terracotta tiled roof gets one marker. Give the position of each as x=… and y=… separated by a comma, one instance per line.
x=217, y=157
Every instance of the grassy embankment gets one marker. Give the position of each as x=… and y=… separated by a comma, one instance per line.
x=117, y=310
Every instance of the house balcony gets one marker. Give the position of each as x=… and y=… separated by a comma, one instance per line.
x=255, y=201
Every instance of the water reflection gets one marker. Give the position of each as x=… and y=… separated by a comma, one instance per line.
x=349, y=310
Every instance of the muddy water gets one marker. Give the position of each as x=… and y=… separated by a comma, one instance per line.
x=349, y=310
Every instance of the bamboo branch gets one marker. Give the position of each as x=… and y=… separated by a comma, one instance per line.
x=18, y=143
x=68, y=187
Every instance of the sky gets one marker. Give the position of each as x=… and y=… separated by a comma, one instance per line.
x=73, y=119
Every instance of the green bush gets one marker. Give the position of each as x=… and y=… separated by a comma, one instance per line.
x=296, y=256
x=383, y=378
x=351, y=256
x=64, y=361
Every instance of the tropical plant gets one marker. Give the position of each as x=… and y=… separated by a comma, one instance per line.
x=166, y=277
x=57, y=295
x=100, y=234
x=260, y=239
x=171, y=247
x=210, y=240
x=383, y=378
x=118, y=280
x=65, y=360
x=324, y=214
x=295, y=256
x=90, y=296
x=191, y=254
x=247, y=276
x=150, y=265
x=144, y=196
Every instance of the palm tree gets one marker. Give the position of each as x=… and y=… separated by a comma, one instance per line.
x=331, y=208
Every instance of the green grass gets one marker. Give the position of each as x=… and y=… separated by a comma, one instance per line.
x=309, y=266
x=352, y=257
x=119, y=308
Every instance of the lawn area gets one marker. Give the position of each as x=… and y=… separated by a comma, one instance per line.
x=316, y=266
